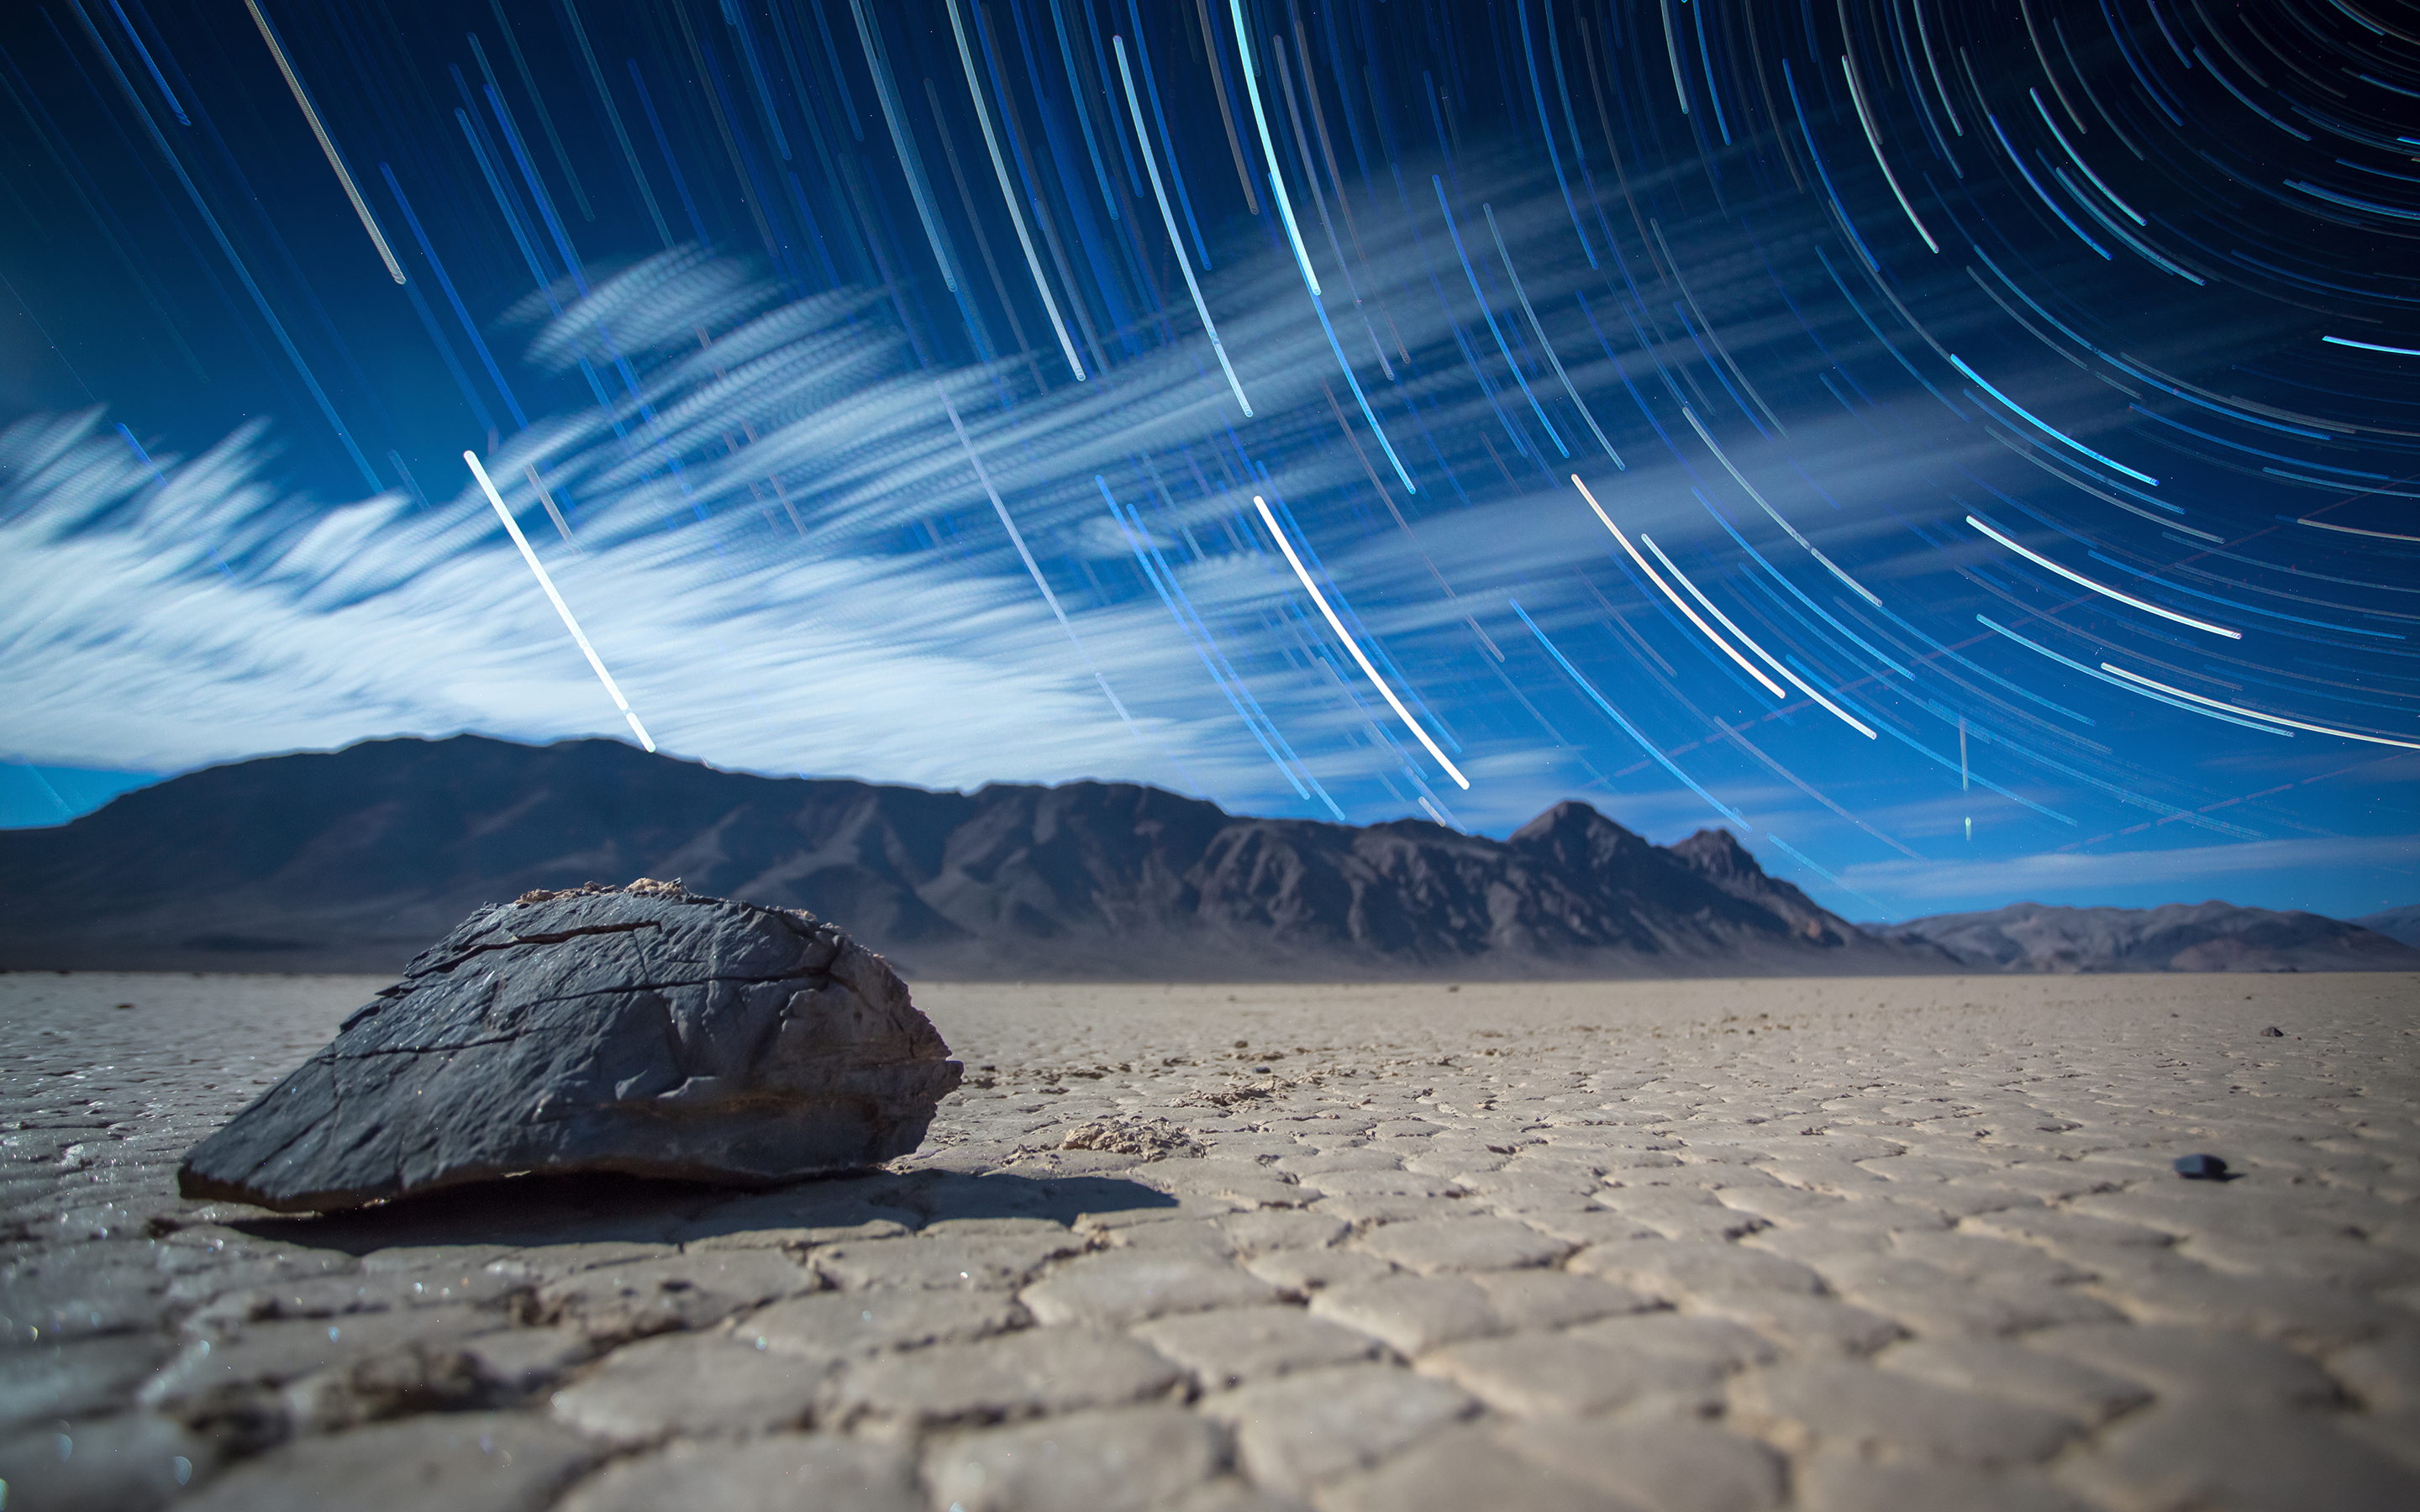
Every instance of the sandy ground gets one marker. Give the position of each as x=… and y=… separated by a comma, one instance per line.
x=1668, y=1247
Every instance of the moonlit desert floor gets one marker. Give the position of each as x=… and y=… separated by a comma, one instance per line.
x=1673, y=1247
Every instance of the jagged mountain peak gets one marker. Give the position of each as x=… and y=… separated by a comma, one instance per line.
x=1719, y=853
x=1575, y=833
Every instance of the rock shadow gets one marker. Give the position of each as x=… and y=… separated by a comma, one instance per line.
x=536, y=1211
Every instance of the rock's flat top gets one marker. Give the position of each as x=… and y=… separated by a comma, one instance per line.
x=1667, y=1246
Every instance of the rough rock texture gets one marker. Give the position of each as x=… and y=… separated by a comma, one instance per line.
x=644, y=1030
x=2208, y=936
x=346, y=861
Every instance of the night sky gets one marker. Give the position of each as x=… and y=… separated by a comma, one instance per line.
x=1969, y=451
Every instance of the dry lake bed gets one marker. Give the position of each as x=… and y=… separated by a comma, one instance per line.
x=1708, y=1246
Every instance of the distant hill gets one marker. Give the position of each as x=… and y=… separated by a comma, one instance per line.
x=2396, y=923
x=2210, y=936
x=356, y=860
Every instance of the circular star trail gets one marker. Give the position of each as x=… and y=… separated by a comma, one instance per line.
x=1968, y=451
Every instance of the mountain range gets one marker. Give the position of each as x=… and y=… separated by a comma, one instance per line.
x=2208, y=936
x=2399, y=924
x=354, y=860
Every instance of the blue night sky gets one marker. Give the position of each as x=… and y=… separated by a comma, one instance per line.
x=1971, y=455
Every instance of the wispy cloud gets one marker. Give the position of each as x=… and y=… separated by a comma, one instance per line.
x=779, y=543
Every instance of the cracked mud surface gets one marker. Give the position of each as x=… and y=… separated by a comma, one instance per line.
x=1668, y=1247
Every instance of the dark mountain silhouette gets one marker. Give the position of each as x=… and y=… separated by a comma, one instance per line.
x=356, y=860
x=2209, y=936
x=2401, y=924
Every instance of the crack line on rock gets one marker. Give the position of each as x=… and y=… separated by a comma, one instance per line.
x=565, y=997
x=556, y=938
x=433, y=1049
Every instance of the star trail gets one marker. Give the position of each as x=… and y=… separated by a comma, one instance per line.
x=1972, y=450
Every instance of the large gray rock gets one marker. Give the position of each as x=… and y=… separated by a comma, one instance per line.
x=638, y=1029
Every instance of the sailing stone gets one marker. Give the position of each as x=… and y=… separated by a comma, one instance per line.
x=644, y=1030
